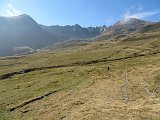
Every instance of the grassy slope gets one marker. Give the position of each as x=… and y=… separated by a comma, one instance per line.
x=129, y=90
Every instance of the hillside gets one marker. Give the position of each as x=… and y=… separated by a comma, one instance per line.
x=106, y=79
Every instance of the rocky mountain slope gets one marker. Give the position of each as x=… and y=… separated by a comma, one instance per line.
x=74, y=31
x=151, y=27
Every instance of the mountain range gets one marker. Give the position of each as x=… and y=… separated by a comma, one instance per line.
x=74, y=31
x=23, y=32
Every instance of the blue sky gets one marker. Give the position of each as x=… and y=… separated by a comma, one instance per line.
x=83, y=12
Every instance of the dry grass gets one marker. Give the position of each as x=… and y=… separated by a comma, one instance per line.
x=129, y=90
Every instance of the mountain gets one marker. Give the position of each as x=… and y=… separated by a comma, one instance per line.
x=20, y=31
x=74, y=32
x=125, y=26
x=20, y=34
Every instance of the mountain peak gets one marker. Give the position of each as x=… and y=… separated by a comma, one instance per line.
x=125, y=26
x=22, y=16
x=18, y=16
x=130, y=21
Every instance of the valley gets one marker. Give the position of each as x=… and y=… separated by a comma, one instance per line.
x=115, y=78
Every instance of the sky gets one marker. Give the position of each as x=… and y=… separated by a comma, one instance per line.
x=82, y=12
